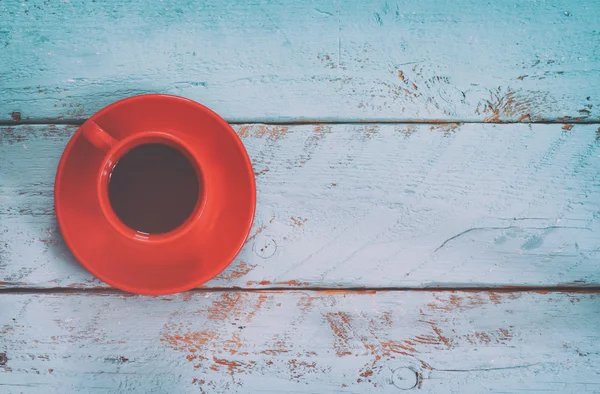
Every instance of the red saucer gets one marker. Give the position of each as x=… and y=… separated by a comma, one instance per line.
x=185, y=257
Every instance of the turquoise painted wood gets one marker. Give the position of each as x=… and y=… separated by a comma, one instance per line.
x=301, y=342
x=362, y=205
x=283, y=60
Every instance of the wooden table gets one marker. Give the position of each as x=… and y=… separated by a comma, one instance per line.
x=428, y=178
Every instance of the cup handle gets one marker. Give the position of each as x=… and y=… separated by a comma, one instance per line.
x=97, y=136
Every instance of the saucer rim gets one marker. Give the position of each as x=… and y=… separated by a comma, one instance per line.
x=191, y=284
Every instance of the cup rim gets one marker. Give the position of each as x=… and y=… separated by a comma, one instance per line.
x=119, y=150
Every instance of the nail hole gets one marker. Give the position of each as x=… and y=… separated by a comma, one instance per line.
x=265, y=247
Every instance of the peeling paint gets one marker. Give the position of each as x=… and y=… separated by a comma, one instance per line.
x=447, y=128
x=292, y=282
x=226, y=305
x=509, y=104
x=272, y=132
x=298, y=222
x=240, y=270
x=340, y=326
x=467, y=300
x=567, y=127
x=315, y=342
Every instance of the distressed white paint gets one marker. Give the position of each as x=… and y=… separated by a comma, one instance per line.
x=362, y=205
x=279, y=60
x=300, y=342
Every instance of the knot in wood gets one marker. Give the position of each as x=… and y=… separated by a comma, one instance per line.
x=405, y=378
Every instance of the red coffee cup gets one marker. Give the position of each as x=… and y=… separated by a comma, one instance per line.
x=180, y=259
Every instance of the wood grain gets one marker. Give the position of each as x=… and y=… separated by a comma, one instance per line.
x=328, y=60
x=362, y=205
x=300, y=342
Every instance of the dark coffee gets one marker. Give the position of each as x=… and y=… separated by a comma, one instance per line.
x=153, y=188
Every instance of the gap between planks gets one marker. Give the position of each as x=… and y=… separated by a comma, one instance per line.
x=326, y=290
x=292, y=122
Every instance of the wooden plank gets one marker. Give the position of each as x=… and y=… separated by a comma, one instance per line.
x=278, y=60
x=362, y=205
x=300, y=342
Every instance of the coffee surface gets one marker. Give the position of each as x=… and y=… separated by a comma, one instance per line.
x=153, y=188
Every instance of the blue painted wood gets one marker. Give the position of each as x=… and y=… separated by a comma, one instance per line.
x=281, y=60
x=300, y=342
x=339, y=205
x=362, y=205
